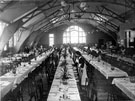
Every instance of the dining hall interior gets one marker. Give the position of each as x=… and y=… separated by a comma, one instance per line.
x=67, y=50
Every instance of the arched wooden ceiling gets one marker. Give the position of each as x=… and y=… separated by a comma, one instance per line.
x=43, y=15
x=105, y=14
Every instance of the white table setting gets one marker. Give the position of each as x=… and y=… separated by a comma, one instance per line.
x=126, y=85
x=10, y=79
x=64, y=90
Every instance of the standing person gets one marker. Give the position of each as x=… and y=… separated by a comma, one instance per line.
x=80, y=63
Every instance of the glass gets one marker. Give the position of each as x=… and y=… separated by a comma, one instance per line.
x=51, y=35
x=2, y=26
x=68, y=40
x=74, y=34
x=16, y=37
x=74, y=39
x=5, y=47
x=80, y=29
x=11, y=42
x=51, y=40
x=64, y=39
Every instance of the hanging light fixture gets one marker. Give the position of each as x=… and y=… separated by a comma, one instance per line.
x=82, y=4
x=63, y=3
x=73, y=11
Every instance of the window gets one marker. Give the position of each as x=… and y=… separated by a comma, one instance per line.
x=11, y=42
x=16, y=37
x=51, y=39
x=74, y=34
x=5, y=47
x=2, y=26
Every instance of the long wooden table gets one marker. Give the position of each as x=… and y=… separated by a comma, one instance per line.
x=64, y=92
x=9, y=80
x=105, y=68
x=125, y=85
x=125, y=59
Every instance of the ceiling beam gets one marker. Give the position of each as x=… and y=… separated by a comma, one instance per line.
x=55, y=12
x=65, y=14
x=111, y=13
x=49, y=27
x=107, y=22
x=34, y=13
x=8, y=4
x=124, y=3
x=41, y=10
x=107, y=29
x=49, y=24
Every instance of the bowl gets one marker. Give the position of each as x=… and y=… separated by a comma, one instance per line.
x=112, y=68
x=132, y=79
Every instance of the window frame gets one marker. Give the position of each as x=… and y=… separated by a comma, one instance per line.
x=69, y=38
x=51, y=39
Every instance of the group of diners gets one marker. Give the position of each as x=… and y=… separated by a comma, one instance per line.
x=109, y=74
x=10, y=62
x=89, y=74
x=24, y=80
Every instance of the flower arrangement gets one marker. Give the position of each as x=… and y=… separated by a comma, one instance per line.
x=65, y=75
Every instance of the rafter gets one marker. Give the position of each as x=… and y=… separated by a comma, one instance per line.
x=107, y=22
x=51, y=4
x=130, y=4
x=41, y=9
x=50, y=24
x=8, y=4
x=55, y=14
x=107, y=29
x=49, y=27
x=35, y=12
x=108, y=11
x=66, y=14
x=101, y=28
x=52, y=14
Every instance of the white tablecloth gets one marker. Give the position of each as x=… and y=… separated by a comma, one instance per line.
x=129, y=60
x=5, y=87
x=105, y=68
x=126, y=86
x=59, y=90
x=21, y=73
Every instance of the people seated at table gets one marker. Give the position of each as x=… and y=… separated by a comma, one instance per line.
x=16, y=59
x=52, y=62
x=80, y=59
x=27, y=49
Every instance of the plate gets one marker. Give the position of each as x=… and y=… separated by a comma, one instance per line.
x=54, y=89
x=74, y=97
x=72, y=89
x=5, y=83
